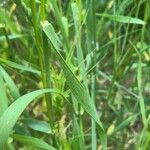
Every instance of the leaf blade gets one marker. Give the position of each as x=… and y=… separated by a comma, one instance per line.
x=12, y=113
x=35, y=142
x=79, y=90
x=3, y=97
x=123, y=19
x=38, y=125
x=10, y=83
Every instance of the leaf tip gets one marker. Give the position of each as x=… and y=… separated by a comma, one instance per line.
x=44, y=23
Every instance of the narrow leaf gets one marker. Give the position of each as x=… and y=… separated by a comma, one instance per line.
x=79, y=90
x=3, y=97
x=38, y=125
x=12, y=37
x=78, y=140
x=12, y=113
x=19, y=66
x=123, y=19
x=35, y=142
x=10, y=83
x=124, y=124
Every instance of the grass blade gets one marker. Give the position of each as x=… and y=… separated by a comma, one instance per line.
x=124, y=124
x=77, y=24
x=79, y=90
x=78, y=140
x=60, y=23
x=12, y=113
x=19, y=66
x=123, y=19
x=35, y=142
x=38, y=125
x=139, y=84
x=3, y=97
x=12, y=37
x=10, y=83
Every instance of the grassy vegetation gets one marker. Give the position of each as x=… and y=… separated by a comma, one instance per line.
x=74, y=74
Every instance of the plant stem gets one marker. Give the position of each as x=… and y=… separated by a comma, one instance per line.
x=44, y=64
x=60, y=24
x=94, y=85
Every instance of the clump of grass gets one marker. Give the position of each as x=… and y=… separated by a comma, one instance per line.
x=74, y=74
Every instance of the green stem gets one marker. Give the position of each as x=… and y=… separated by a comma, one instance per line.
x=60, y=24
x=9, y=43
x=94, y=85
x=37, y=36
x=47, y=56
x=42, y=10
x=45, y=72
x=47, y=78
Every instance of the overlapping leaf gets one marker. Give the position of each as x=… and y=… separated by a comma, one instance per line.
x=12, y=113
x=79, y=90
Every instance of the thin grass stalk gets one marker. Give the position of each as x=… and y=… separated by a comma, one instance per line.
x=139, y=65
x=91, y=44
x=40, y=55
x=78, y=30
x=47, y=74
x=139, y=85
x=46, y=51
x=42, y=10
x=37, y=37
x=137, y=12
x=115, y=60
x=93, y=85
x=115, y=35
x=60, y=24
x=77, y=23
x=46, y=55
x=100, y=25
x=8, y=42
x=145, y=20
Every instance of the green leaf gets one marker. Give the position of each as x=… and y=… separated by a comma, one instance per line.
x=124, y=124
x=124, y=4
x=38, y=125
x=5, y=19
x=12, y=113
x=123, y=19
x=32, y=141
x=78, y=140
x=11, y=37
x=18, y=66
x=3, y=97
x=79, y=90
x=10, y=83
x=139, y=85
x=59, y=20
x=66, y=25
x=77, y=24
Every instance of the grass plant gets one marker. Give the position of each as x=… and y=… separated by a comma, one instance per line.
x=74, y=75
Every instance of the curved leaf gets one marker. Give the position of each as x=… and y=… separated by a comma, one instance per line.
x=18, y=66
x=123, y=19
x=3, y=97
x=35, y=142
x=77, y=88
x=12, y=87
x=38, y=125
x=12, y=113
